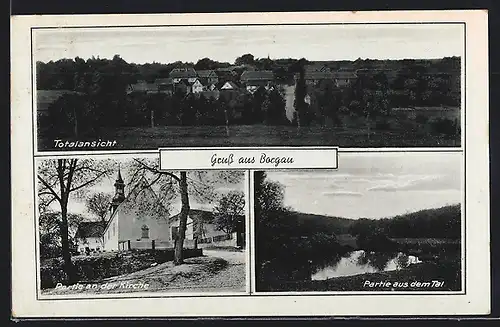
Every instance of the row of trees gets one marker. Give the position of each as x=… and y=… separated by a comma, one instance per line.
x=440, y=223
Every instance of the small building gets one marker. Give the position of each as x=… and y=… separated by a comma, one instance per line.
x=88, y=236
x=183, y=86
x=257, y=78
x=165, y=85
x=229, y=86
x=179, y=74
x=226, y=73
x=197, y=87
x=344, y=78
x=208, y=76
x=142, y=87
x=200, y=227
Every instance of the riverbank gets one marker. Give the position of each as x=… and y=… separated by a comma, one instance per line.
x=425, y=276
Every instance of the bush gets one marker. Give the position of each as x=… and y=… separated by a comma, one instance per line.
x=93, y=268
x=421, y=119
x=444, y=126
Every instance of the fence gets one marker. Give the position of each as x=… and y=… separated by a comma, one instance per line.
x=219, y=240
x=152, y=245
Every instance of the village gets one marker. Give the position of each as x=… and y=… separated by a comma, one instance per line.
x=252, y=102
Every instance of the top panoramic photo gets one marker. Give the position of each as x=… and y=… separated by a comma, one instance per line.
x=346, y=85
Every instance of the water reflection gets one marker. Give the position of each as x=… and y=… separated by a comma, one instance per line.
x=360, y=262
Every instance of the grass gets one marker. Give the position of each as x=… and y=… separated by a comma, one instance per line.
x=255, y=135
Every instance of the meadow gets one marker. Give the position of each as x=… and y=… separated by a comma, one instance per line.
x=256, y=135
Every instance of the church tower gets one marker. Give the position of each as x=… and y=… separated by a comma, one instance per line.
x=119, y=191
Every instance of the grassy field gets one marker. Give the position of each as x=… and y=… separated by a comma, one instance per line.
x=255, y=135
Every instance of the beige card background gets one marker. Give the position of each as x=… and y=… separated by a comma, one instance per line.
x=476, y=300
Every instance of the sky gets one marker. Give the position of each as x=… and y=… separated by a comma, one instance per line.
x=76, y=204
x=375, y=185
x=226, y=43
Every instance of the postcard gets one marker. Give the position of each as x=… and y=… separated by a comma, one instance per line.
x=250, y=164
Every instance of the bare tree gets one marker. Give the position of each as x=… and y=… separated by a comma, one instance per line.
x=173, y=185
x=58, y=179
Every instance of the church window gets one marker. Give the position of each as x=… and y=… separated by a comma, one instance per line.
x=145, y=231
x=114, y=229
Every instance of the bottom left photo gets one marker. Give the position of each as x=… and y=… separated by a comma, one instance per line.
x=120, y=225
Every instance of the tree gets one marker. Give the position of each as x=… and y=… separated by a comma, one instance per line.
x=58, y=180
x=50, y=232
x=301, y=107
x=175, y=185
x=98, y=204
x=246, y=59
x=228, y=210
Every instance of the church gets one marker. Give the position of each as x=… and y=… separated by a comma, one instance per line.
x=138, y=220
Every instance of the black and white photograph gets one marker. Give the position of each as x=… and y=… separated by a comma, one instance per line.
x=347, y=85
x=115, y=226
x=266, y=164
x=382, y=222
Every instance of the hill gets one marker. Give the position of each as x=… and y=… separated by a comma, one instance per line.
x=444, y=222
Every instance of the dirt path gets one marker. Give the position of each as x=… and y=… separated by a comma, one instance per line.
x=217, y=271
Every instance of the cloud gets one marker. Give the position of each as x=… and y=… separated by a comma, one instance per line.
x=341, y=193
x=415, y=183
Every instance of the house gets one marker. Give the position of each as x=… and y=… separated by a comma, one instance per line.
x=135, y=220
x=229, y=86
x=183, y=86
x=315, y=73
x=200, y=227
x=208, y=76
x=165, y=85
x=344, y=78
x=88, y=236
x=226, y=74
x=179, y=74
x=257, y=78
x=143, y=87
x=197, y=87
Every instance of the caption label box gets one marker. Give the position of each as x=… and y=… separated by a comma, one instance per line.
x=241, y=158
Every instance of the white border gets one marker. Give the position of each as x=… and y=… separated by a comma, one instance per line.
x=475, y=301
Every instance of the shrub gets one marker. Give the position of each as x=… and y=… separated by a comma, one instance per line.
x=93, y=268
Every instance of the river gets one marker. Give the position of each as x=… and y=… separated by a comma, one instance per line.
x=361, y=262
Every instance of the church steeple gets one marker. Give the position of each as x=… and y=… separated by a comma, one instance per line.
x=119, y=191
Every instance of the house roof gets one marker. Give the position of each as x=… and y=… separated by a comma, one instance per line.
x=164, y=81
x=143, y=86
x=90, y=229
x=182, y=73
x=196, y=214
x=206, y=73
x=231, y=83
x=316, y=68
x=344, y=75
x=258, y=75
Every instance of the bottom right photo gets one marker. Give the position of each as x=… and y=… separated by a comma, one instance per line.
x=380, y=222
